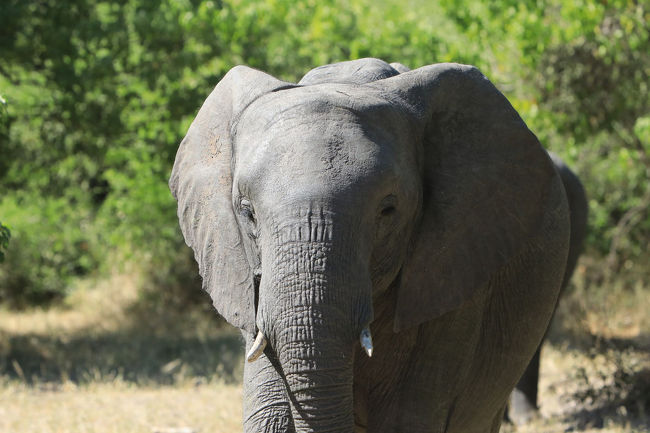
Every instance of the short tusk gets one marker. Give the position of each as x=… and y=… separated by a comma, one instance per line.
x=366, y=341
x=258, y=347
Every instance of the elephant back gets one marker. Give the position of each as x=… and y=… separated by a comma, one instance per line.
x=360, y=71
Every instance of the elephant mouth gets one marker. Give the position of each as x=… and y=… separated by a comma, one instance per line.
x=261, y=341
x=256, y=350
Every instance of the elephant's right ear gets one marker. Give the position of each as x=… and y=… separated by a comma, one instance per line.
x=486, y=186
x=201, y=182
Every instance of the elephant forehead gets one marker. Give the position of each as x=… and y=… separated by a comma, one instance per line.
x=332, y=140
x=323, y=107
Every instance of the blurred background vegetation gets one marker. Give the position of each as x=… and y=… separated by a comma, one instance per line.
x=95, y=97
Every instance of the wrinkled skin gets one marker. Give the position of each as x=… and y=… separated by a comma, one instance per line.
x=415, y=203
x=523, y=400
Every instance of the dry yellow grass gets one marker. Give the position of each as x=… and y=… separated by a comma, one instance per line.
x=120, y=408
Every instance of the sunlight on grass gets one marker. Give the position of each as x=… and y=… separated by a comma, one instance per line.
x=119, y=407
x=616, y=309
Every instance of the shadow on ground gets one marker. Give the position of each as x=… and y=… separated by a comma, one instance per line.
x=626, y=402
x=148, y=342
x=165, y=333
x=610, y=385
x=129, y=356
x=614, y=390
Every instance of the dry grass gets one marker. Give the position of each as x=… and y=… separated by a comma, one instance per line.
x=118, y=407
x=111, y=332
x=617, y=309
x=111, y=361
x=106, y=306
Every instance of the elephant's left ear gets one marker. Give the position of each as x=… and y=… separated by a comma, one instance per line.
x=201, y=182
x=485, y=181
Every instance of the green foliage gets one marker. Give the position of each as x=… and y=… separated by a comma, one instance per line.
x=5, y=235
x=99, y=94
x=5, y=122
x=593, y=93
x=51, y=245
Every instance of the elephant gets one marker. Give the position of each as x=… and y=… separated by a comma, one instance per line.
x=390, y=242
x=523, y=400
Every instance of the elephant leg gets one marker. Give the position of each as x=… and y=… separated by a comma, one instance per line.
x=523, y=400
x=266, y=404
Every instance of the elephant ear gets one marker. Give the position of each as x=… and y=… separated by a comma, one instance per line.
x=485, y=180
x=201, y=182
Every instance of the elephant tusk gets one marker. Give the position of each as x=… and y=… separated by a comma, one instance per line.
x=258, y=347
x=366, y=341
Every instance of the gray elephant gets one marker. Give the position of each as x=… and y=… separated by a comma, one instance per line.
x=390, y=242
x=523, y=400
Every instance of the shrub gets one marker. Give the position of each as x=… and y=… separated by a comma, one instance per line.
x=50, y=245
x=5, y=235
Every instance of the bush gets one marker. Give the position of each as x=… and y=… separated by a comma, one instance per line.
x=51, y=245
x=5, y=235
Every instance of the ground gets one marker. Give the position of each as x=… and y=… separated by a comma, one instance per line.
x=121, y=407
x=106, y=361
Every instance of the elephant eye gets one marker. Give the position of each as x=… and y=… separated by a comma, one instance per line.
x=388, y=206
x=388, y=211
x=246, y=210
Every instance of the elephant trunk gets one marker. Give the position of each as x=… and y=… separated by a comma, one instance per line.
x=318, y=306
x=319, y=379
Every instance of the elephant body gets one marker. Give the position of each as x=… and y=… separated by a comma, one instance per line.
x=523, y=401
x=390, y=242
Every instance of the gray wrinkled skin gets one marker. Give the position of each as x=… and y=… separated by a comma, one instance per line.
x=417, y=203
x=523, y=400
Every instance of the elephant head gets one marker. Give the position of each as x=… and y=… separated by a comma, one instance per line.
x=304, y=202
